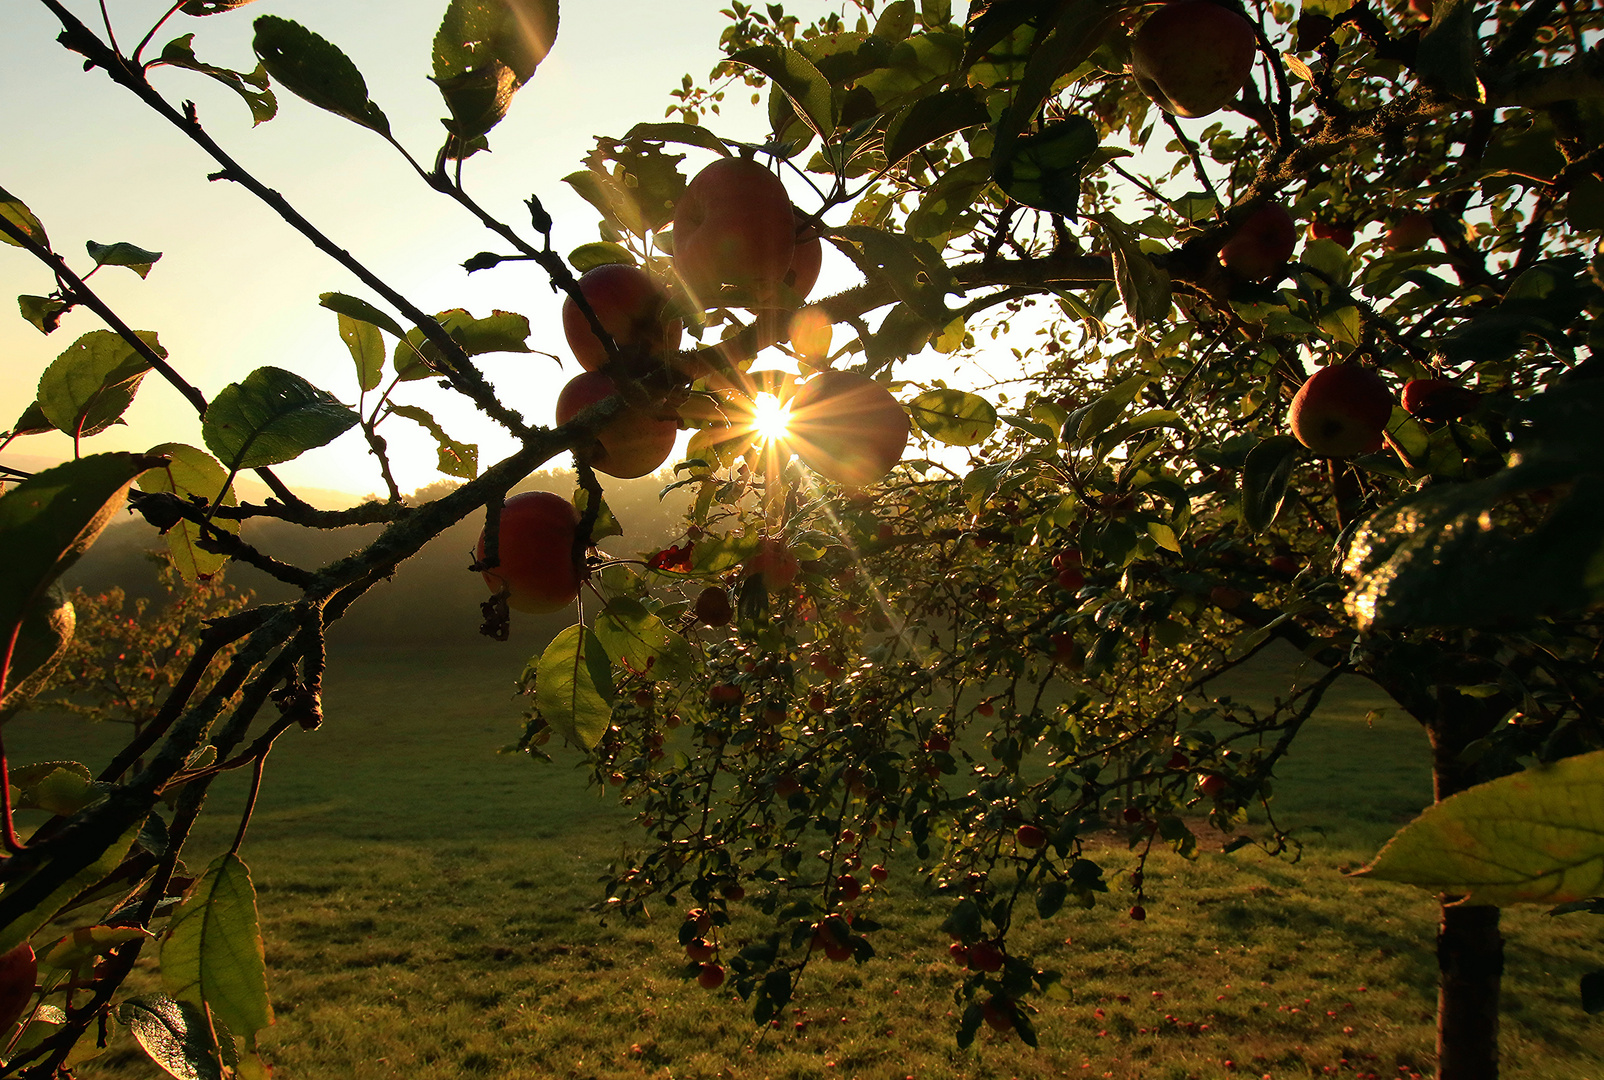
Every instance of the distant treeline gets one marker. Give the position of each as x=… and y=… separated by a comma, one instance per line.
x=433, y=597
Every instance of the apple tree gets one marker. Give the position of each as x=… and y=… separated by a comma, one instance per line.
x=1299, y=308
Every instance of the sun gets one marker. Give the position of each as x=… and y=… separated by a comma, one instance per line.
x=771, y=417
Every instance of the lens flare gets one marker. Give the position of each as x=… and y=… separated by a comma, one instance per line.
x=771, y=417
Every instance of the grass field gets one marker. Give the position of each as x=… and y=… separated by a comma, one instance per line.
x=427, y=906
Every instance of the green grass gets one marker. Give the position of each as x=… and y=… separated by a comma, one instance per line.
x=429, y=911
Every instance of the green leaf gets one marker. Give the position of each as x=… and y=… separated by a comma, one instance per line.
x=14, y=211
x=795, y=74
x=953, y=416
x=191, y=472
x=78, y=951
x=1534, y=837
x=23, y=914
x=43, y=311
x=360, y=310
x=1446, y=57
x=913, y=268
x=1096, y=418
x=51, y=518
x=640, y=640
x=517, y=34
x=574, y=686
x=1144, y=288
x=484, y=51
x=33, y=421
x=1044, y=170
x=457, y=459
x=1080, y=30
x=176, y=1035
x=689, y=134
x=601, y=253
x=88, y=387
x=1265, y=475
x=47, y=630
x=416, y=357
x=213, y=954
x=316, y=71
x=252, y=86
x=367, y=350
x=930, y=118
x=272, y=416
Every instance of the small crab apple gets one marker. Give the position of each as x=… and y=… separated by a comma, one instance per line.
x=535, y=552
x=713, y=606
x=998, y=1014
x=1030, y=836
x=630, y=307
x=1193, y=57
x=878, y=872
x=633, y=443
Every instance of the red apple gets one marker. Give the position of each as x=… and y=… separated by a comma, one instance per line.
x=711, y=977
x=1193, y=56
x=734, y=226
x=999, y=1014
x=629, y=305
x=847, y=428
x=1212, y=784
x=848, y=887
x=1223, y=596
x=700, y=950
x=878, y=872
x=1138, y=912
x=633, y=443
x=535, y=548
x=725, y=694
x=1341, y=232
x=806, y=259
x=775, y=562
x=1030, y=836
x=1438, y=400
x=713, y=606
x=986, y=956
x=1409, y=232
x=1341, y=411
x=1067, y=651
x=1262, y=243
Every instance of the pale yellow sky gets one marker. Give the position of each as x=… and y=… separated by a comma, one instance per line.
x=236, y=289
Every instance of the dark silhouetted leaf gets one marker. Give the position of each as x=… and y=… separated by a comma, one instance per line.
x=360, y=309
x=135, y=258
x=253, y=86
x=316, y=71
x=931, y=118
x=272, y=416
x=14, y=211
x=795, y=74
x=457, y=459
x=1265, y=476
x=953, y=416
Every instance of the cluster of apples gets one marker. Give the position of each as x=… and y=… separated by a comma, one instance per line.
x=1344, y=409
x=737, y=241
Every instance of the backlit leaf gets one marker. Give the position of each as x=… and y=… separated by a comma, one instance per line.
x=191, y=471
x=795, y=74
x=1534, y=837
x=272, y=416
x=253, y=86
x=135, y=258
x=15, y=211
x=574, y=686
x=455, y=458
x=367, y=350
x=1265, y=475
x=361, y=310
x=90, y=385
x=931, y=118
x=213, y=956
x=953, y=416
x=636, y=637
x=316, y=71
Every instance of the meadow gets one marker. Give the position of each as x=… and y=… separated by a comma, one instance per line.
x=430, y=908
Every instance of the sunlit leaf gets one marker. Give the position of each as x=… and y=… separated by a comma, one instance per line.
x=176, y=1035
x=189, y=472
x=361, y=310
x=574, y=687
x=953, y=416
x=213, y=956
x=455, y=458
x=636, y=637
x=17, y=213
x=272, y=416
x=91, y=384
x=1534, y=837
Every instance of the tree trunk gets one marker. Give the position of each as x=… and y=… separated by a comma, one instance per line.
x=1470, y=950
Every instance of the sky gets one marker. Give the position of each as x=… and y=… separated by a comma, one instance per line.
x=236, y=288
